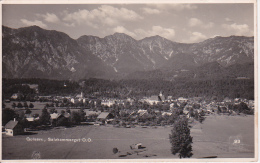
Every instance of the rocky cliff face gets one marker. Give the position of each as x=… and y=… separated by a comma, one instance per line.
x=35, y=52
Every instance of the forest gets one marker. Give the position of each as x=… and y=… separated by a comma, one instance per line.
x=216, y=89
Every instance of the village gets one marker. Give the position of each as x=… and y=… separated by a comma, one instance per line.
x=47, y=112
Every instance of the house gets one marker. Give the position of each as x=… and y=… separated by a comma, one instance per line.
x=169, y=98
x=72, y=100
x=186, y=110
x=166, y=114
x=55, y=117
x=104, y=116
x=108, y=103
x=13, y=128
x=91, y=115
x=31, y=119
x=174, y=105
x=182, y=100
x=16, y=96
x=142, y=112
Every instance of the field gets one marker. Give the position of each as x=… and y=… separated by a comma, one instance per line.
x=215, y=137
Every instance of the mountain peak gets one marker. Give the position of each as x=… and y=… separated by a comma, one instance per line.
x=120, y=36
x=156, y=38
x=34, y=28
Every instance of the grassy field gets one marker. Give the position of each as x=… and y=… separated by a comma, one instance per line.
x=212, y=138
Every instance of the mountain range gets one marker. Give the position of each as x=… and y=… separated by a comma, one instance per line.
x=33, y=52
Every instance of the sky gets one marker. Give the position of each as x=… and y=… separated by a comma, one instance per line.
x=187, y=23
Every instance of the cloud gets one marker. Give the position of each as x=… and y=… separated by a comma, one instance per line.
x=52, y=18
x=227, y=19
x=69, y=24
x=178, y=7
x=121, y=29
x=104, y=15
x=150, y=11
x=195, y=22
x=36, y=22
x=238, y=29
x=168, y=33
x=197, y=36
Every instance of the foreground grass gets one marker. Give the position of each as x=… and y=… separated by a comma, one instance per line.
x=212, y=138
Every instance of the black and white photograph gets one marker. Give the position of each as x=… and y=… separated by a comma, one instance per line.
x=129, y=80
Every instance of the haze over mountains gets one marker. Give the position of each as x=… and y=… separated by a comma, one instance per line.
x=35, y=52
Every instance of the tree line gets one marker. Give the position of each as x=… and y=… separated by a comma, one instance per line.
x=218, y=88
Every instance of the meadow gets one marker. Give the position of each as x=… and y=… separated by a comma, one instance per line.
x=216, y=136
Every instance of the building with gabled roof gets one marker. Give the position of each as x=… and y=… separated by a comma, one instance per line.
x=104, y=116
x=54, y=118
x=13, y=128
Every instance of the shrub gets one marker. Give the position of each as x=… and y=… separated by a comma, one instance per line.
x=115, y=150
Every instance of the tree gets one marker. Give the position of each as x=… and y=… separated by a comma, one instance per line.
x=75, y=117
x=52, y=105
x=62, y=105
x=14, y=105
x=45, y=117
x=68, y=110
x=63, y=122
x=82, y=115
x=31, y=106
x=25, y=105
x=242, y=107
x=62, y=112
x=20, y=115
x=57, y=104
x=180, y=138
x=24, y=122
x=19, y=105
x=28, y=111
x=53, y=110
x=47, y=105
x=7, y=115
x=115, y=150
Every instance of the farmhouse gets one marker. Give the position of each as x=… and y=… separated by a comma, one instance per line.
x=55, y=117
x=104, y=116
x=12, y=128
